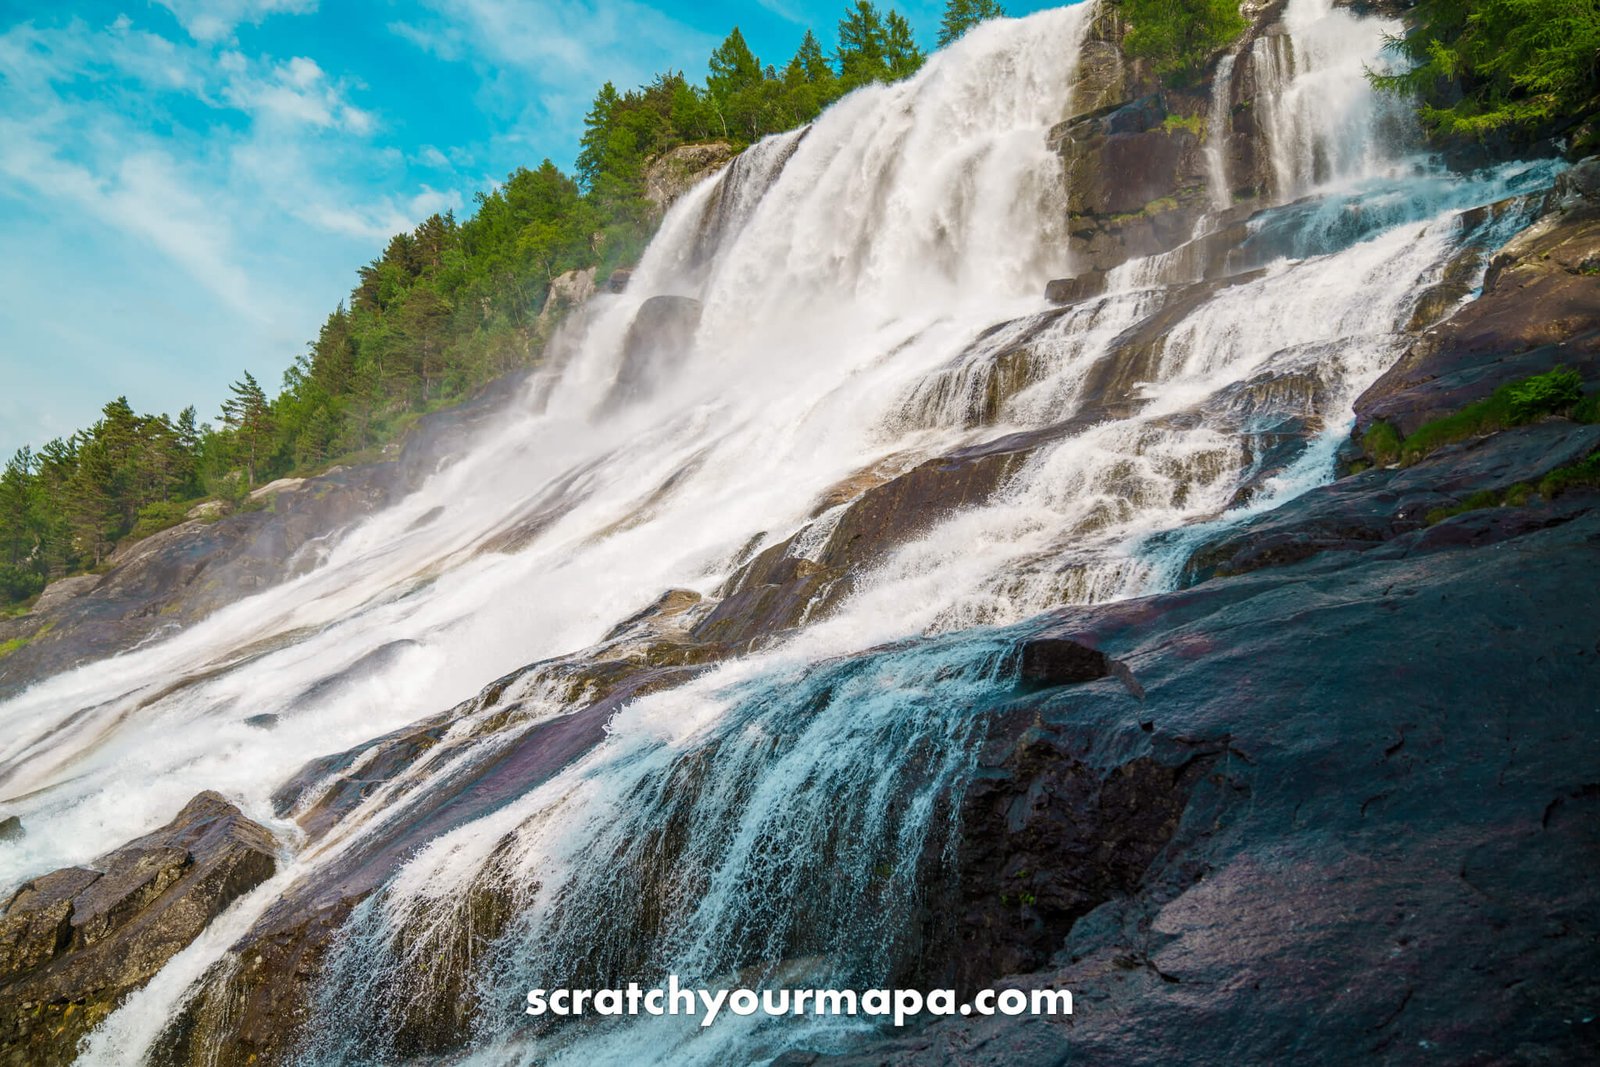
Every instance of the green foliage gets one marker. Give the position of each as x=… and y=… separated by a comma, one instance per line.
x=1556, y=391
x=159, y=515
x=1584, y=475
x=1525, y=67
x=1484, y=498
x=1195, y=124
x=1382, y=443
x=249, y=416
x=961, y=15
x=19, y=583
x=1180, y=36
x=443, y=310
x=1511, y=405
x=873, y=48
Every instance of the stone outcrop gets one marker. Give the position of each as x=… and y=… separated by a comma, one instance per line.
x=1369, y=509
x=680, y=169
x=789, y=583
x=75, y=942
x=1133, y=151
x=567, y=292
x=656, y=346
x=254, y=1001
x=1050, y=661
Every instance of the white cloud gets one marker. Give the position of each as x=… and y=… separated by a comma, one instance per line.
x=296, y=92
x=215, y=20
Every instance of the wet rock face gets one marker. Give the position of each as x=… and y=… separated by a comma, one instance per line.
x=75, y=942
x=255, y=1001
x=1135, y=181
x=1133, y=156
x=779, y=588
x=1367, y=788
x=1540, y=308
x=657, y=344
x=1049, y=833
x=1368, y=510
x=1051, y=661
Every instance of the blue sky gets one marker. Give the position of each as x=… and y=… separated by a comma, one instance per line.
x=187, y=186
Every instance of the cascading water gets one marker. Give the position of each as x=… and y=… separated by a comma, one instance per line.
x=862, y=294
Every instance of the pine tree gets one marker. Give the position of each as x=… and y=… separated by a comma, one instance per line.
x=249, y=416
x=734, y=68
x=17, y=542
x=813, y=64
x=961, y=15
x=901, y=53
x=863, y=46
x=733, y=87
x=596, y=134
x=91, y=506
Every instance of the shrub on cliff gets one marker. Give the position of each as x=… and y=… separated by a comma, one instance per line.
x=1527, y=68
x=1585, y=475
x=1179, y=36
x=1516, y=403
x=1543, y=393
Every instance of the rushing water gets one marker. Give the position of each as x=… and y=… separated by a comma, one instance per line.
x=765, y=820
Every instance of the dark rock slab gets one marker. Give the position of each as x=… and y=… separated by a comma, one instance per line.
x=1369, y=509
x=777, y=590
x=1389, y=848
x=75, y=942
x=1051, y=661
x=1050, y=832
x=657, y=343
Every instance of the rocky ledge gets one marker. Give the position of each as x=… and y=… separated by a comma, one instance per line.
x=74, y=943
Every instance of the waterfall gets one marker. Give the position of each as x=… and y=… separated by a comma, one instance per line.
x=1217, y=132
x=858, y=296
x=1323, y=121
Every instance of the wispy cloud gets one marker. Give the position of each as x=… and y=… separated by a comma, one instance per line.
x=259, y=180
x=296, y=91
x=784, y=11
x=216, y=20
